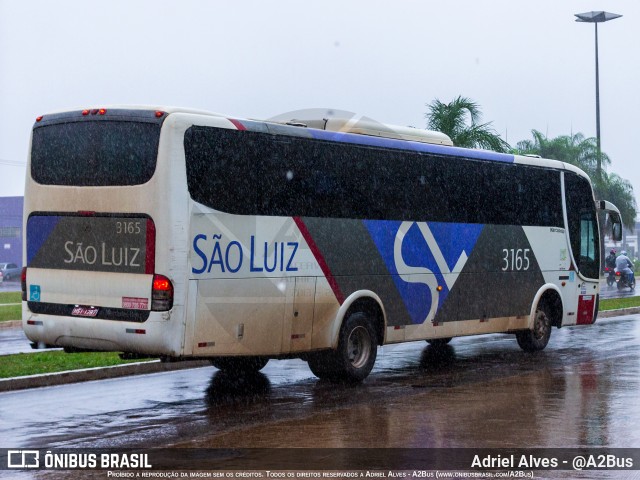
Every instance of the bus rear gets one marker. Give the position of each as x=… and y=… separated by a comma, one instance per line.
x=97, y=211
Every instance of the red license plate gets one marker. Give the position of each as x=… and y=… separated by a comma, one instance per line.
x=80, y=311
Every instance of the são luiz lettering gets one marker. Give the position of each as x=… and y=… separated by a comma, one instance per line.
x=103, y=255
x=276, y=256
x=513, y=461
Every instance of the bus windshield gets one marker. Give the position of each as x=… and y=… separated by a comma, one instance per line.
x=94, y=153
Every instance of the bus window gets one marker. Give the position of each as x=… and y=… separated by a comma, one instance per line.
x=588, y=235
x=91, y=151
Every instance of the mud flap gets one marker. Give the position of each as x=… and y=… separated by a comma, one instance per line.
x=586, y=309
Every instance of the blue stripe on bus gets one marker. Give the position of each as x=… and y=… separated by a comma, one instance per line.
x=360, y=139
x=39, y=227
x=409, y=145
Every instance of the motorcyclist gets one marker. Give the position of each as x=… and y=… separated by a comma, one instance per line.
x=610, y=261
x=623, y=265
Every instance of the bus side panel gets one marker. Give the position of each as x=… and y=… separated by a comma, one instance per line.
x=256, y=285
x=553, y=254
x=325, y=311
x=301, y=316
x=240, y=316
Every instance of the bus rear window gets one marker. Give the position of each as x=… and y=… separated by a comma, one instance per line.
x=94, y=153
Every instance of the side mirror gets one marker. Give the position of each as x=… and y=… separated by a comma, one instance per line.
x=614, y=218
x=616, y=230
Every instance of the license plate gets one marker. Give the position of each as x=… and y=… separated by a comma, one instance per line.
x=80, y=311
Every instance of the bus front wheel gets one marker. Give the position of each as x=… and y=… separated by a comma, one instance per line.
x=239, y=364
x=537, y=338
x=353, y=360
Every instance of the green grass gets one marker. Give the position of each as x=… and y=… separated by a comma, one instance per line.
x=49, y=362
x=617, y=303
x=10, y=312
x=10, y=297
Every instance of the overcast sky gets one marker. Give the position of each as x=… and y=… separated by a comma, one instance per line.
x=528, y=64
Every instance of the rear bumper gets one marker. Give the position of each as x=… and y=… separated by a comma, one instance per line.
x=161, y=334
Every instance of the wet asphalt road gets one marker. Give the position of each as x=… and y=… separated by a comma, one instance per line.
x=583, y=390
x=613, y=291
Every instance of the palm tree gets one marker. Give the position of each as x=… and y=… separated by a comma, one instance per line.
x=574, y=149
x=460, y=120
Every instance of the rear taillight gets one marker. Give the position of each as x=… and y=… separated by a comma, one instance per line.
x=23, y=283
x=161, y=294
x=617, y=274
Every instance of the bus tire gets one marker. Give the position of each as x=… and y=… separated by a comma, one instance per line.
x=322, y=364
x=357, y=349
x=239, y=364
x=438, y=342
x=537, y=338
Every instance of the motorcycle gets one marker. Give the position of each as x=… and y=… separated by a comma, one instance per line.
x=611, y=275
x=624, y=280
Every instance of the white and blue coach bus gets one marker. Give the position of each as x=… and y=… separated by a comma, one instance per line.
x=186, y=234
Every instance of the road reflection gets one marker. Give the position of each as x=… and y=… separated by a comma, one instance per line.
x=434, y=359
x=580, y=392
x=229, y=388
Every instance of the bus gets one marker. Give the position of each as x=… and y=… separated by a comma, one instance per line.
x=188, y=235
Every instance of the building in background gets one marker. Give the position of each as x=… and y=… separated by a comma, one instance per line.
x=11, y=230
x=629, y=242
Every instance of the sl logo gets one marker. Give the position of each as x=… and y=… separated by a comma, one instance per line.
x=411, y=274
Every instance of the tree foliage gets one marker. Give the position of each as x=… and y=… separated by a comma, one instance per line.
x=574, y=149
x=619, y=191
x=460, y=120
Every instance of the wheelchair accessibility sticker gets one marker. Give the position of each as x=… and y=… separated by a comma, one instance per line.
x=34, y=293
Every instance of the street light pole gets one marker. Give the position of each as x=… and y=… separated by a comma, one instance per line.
x=598, y=149
x=595, y=18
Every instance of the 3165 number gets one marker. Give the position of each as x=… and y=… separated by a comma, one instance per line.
x=515, y=259
x=127, y=227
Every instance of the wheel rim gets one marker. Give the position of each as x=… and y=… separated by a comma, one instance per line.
x=541, y=325
x=359, y=347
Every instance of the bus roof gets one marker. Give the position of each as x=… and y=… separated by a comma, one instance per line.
x=364, y=126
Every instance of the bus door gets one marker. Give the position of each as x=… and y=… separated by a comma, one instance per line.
x=298, y=322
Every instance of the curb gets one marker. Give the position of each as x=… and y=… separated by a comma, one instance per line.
x=618, y=313
x=98, y=373
x=11, y=324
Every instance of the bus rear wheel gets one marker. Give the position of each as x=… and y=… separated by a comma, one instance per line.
x=537, y=338
x=355, y=356
x=239, y=364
